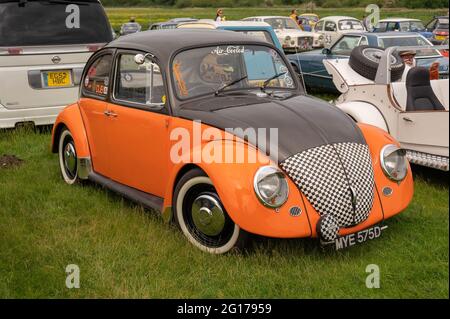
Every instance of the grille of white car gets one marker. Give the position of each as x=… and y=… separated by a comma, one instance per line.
x=337, y=180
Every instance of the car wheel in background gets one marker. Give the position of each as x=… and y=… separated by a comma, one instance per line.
x=68, y=158
x=364, y=60
x=202, y=217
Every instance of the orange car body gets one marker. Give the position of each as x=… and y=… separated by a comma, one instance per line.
x=132, y=147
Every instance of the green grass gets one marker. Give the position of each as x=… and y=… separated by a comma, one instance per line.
x=146, y=16
x=124, y=251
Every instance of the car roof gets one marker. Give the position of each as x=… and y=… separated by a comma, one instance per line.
x=385, y=34
x=338, y=18
x=399, y=20
x=164, y=43
x=229, y=23
x=268, y=17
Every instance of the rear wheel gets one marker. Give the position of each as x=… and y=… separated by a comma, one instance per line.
x=68, y=158
x=202, y=217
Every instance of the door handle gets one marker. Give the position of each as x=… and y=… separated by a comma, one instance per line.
x=407, y=119
x=110, y=114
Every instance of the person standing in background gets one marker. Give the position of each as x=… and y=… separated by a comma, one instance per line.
x=294, y=15
x=219, y=16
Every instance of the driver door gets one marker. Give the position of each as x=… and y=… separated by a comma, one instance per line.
x=139, y=122
x=425, y=131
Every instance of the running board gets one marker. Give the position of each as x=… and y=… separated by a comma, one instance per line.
x=428, y=160
x=144, y=199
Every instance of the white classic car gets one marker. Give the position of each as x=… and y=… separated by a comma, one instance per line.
x=291, y=37
x=414, y=111
x=328, y=30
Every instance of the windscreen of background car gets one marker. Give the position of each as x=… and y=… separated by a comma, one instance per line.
x=345, y=25
x=203, y=71
x=35, y=23
x=282, y=23
x=387, y=42
x=261, y=35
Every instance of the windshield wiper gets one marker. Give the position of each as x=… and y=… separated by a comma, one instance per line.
x=221, y=89
x=267, y=82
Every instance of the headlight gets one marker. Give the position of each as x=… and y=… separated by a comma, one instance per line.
x=271, y=186
x=287, y=39
x=394, y=163
x=321, y=37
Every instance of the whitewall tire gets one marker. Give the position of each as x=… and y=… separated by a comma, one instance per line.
x=68, y=158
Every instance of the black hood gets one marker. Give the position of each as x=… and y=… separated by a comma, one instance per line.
x=303, y=122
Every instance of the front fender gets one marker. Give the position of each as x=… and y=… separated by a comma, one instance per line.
x=71, y=118
x=402, y=193
x=366, y=113
x=234, y=185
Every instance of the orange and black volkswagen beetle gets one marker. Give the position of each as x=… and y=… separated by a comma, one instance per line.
x=214, y=130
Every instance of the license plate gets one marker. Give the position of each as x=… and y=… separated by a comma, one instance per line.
x=54, y=79
x=440, y=37
x=359, y=237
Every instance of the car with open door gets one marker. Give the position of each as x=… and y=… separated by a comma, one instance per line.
x=409, y=106
x=44, y=46
x=185, y=122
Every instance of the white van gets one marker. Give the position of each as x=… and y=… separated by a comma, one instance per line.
x=44, y=45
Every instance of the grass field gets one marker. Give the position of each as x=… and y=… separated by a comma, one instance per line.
x=124, y=251
x=147, y=16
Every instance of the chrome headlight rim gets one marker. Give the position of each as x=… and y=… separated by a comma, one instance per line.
x=264, y=172
x=287, y=38
x=390, y=149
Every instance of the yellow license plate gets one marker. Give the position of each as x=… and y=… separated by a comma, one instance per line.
x=57, y=79
x=440, y=37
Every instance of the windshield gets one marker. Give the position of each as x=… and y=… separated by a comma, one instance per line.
x=350, y=25
x=53, y=23
x=387, y=42
x=282, y=23
x=203, y=71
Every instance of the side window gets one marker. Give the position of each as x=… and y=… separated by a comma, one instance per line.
x=96, y=81
x=139, y=83
x=345, y=45
x=319, y=26
x=391, y=26
x=330, y=26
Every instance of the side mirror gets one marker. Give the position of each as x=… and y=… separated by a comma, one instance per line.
x=326, y=51
x=139, y=59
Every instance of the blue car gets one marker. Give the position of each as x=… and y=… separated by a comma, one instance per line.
x=402, y=25
x=310, y=64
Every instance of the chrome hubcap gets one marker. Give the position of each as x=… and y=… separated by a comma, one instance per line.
x=375, y=55
x=208, y=215
x=70, y=159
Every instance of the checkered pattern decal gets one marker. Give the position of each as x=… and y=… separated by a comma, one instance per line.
x=358, y=166
x=328, y=228
x=330, y=176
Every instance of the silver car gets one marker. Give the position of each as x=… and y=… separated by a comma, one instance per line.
x=41, y=61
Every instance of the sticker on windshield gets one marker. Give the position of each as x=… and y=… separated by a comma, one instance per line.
x=228, y=50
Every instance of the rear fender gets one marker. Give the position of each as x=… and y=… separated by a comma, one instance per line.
x=71, y=118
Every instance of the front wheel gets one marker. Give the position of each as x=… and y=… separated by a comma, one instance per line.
x=68, y=158
x=202, y=217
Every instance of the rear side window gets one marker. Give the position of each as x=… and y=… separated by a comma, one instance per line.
x=53, y=22
x=96, y=81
